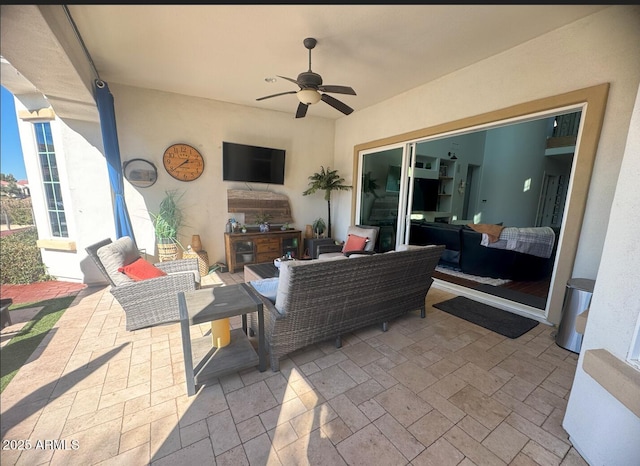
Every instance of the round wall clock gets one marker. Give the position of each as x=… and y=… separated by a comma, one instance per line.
x=183, y=162
x=140, y=172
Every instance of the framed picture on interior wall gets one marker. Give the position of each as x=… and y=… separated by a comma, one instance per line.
x=443, y=170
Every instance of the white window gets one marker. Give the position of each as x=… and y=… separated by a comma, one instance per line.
x=51, y=180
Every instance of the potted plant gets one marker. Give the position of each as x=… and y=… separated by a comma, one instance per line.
x=166, y=223
x=318, y=227
x=328, y=181
x=263, y=221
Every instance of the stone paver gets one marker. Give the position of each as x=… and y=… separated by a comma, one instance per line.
x=432, y=391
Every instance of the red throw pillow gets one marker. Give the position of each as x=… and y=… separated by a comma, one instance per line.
x=140, y=269
x=354, y=243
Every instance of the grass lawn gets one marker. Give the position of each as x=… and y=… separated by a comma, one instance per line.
x=15, y=353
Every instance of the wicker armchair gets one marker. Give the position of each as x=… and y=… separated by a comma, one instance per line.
x=328, y=251
x=147, y=302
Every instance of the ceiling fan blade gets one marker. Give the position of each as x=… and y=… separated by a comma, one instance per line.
x=289, y=79
x=337, y=89
x=335, y=103
x=276, y=95
x=302, y=110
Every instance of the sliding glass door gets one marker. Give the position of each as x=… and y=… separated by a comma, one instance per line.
x=381, y=198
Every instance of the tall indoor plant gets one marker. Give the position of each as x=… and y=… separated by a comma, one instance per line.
x=166, y=223
x=328, y=181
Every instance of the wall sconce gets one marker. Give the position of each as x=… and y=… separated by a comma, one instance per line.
x=452, y=152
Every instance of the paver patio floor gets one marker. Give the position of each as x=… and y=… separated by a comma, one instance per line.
x=431, y=391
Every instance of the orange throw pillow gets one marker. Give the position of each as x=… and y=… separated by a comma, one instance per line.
x=140, y=270
x=354, y=243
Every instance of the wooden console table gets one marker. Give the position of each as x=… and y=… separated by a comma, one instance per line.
x=254, y=247
x=202, y=361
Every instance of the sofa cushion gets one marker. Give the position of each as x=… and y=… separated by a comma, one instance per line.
x=267, y=287
x=121, y=252
x=140, y=270
x=355, y=243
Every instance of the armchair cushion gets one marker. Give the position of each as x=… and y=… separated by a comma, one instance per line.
x=367, y=232
x=121, y=252
x=140, y=270
x=355, y=243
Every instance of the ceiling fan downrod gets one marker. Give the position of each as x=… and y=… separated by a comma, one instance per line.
x=309, y=43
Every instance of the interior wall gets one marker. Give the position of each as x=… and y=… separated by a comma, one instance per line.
x=514, y=164
x=600, y=48
x=150, y=121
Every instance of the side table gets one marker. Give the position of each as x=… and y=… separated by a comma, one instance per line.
x=202, y=361
x=203, y=260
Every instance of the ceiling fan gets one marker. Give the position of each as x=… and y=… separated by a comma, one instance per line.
x=311, y=87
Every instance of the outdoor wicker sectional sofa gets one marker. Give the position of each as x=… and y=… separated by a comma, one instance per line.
x=318, y=300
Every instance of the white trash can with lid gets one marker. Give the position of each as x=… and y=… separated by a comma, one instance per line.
x=576, y=300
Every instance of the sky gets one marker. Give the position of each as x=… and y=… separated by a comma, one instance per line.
x=11, y=161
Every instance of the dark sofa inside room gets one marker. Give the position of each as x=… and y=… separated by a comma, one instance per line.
x=464, y=252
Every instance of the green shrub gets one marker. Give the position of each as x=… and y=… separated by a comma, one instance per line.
x=20, y=259
x=18, y=210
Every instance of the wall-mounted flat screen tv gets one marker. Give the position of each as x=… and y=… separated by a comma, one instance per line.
x=253, y=164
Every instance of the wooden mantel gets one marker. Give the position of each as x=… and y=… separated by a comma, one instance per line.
x=253, y=203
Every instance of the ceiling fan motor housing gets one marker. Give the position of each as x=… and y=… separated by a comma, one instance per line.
x=309, y=79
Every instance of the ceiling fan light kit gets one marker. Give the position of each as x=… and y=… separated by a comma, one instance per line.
x=311, y=86
x=308, y=96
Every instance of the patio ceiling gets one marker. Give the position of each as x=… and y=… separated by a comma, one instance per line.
x=225, y=52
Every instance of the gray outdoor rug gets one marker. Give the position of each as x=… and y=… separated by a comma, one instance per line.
x=505, y=323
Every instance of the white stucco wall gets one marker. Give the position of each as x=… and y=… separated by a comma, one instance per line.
x=85, y=191
x=600, y=48
x=602, y=429
x=150, y=121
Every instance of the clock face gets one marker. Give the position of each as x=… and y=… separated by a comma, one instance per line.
x=183, y=162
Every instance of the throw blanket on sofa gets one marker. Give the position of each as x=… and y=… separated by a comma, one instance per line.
x=537, y=241
x=489, y=231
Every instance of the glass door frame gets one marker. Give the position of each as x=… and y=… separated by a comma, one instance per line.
x=403, y=220
x=592, y=102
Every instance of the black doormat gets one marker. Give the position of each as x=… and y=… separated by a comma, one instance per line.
x=505, y=323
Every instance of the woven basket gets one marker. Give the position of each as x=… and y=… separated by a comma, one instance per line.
x=167, y=252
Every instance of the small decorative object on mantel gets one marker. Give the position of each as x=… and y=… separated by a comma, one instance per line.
x=284, y=227
x=263, y=220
